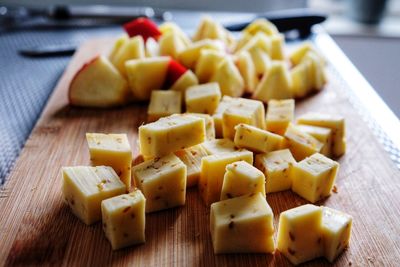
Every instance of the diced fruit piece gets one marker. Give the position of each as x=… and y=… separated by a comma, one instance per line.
x=240, y=179
x=210, y=29
x=146, y=74
x=98, y=84
x=297, y=55
x=313, y=177
x=229, y=79
x=242, y=41
x=247, y=70
x=111, y=150
x=117, y=45
x=191, y=157
x=213, y=170
x=164, y=103
x=168, y=27
x=242, y=110
x=208, y=63
x=279, y=114
x=242, y=225
x=131, y=49
x=259, y=48
x=275, y=84
x=171, y=44
x=218, y=146
x=208, y=120
x=301, y=78
x=277, y=43
x=226, y=101
x=301, y=144
x=260, y=40
x=336, y=231
x=203, y=98
x=143, y=27
x=299, y=233
x=261, y=25
x=322, y=134
x=152, y=48
x=170, y=134
x=124, y=219
x=317, y=72
x=277, y=168
x=185, y=81
x=162, y=181
x=85, y=187
x=175, y=71
x=335, y=123
x=191, y=54
x=256, y=140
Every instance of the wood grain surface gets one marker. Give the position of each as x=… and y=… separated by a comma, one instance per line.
x=37, y=228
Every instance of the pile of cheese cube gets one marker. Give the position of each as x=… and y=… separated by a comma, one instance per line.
x=153, y=62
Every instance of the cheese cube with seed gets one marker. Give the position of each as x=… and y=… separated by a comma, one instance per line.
x=336, y=231
x=124, y=219
x=279, y=114
x=333, y=122
x=203, y=98
x=226, y=101
x=242, y=225
x=85, y=187
x=256, y=140
x=213, y=171
x=170, y=134
x=243, y=110
x=277, y=168
x=322, y=134
x=191, y=157
x=164, y=103
x=314, y=177
x=218, y=146
x=299, y=233
x=301, y=144
x=242, y=178
x=162, y=181
x=111, y=150
x=209, y=122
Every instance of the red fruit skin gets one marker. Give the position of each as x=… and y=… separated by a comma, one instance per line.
x=142, y=26
x=88, y=63
x=175, y=71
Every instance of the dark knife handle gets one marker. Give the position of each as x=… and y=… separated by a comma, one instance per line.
x=296, y=19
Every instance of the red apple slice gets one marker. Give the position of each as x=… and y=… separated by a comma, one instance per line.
x=142, y=26
x=175, y=71
x=98, y=84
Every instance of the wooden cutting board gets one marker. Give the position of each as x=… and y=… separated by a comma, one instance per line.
x=37, y=228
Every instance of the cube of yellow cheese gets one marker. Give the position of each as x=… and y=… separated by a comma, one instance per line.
x=111, y=150
x=162, y=181
x=336, y=231
x=322, y=134
x=191, y=157
x=301, y=144
x=277, y=168
x=243, y=110
x=242, y=225
x=185, y=81
x=299, y=233
x=313, y=177
x=213, y=171
x=256, y=140
x=85, y=187
x=226, y=101
x=208, y=120
x=218, y=146
x=203, y=98
x=164, y=103
x=242, y=178
x=335, y=123
x=170, y=134
x=279, y=114
x=124, y=219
